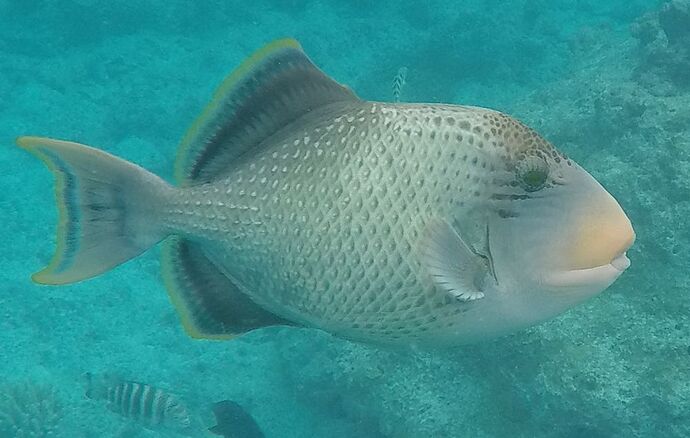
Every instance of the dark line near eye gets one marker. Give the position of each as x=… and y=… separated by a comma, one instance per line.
x=506, y=214
x=500, y=196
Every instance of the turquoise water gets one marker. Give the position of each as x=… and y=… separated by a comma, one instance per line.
x=607, y=81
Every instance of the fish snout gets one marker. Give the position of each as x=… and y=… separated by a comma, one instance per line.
x=602, y=234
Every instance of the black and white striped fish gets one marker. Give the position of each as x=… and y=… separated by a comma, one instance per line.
x=147, y=405
x=399, y=83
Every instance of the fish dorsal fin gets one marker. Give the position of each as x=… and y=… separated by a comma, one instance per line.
x=274, y=87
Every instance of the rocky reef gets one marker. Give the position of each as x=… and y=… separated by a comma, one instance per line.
x=29, y=410
x=663, y=39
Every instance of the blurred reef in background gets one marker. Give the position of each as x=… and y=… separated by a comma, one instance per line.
x=607, y=81
x=664, y=43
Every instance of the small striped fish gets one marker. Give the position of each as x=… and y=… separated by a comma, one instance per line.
x=399, y=83
x=150, y=406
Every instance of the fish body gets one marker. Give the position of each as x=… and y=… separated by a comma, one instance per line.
x=145, y=404
x=323, y=226
x=300, y=204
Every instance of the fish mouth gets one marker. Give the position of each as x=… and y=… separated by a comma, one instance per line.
x=602, y=275
x=621, y=262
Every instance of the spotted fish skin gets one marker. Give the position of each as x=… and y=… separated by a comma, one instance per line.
x=322, y=226
x=299, y=203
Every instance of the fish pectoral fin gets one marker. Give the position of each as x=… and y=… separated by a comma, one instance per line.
x=210, y=305
x=454, y=267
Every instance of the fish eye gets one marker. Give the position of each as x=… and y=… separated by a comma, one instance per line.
x=532, y=173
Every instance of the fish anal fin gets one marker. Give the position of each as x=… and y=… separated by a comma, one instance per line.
x=210, y=305
x=272, y=88
x=452, y=264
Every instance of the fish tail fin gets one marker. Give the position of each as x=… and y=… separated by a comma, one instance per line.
x=107, y=207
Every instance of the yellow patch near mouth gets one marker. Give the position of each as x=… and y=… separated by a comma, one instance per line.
x=603, y=233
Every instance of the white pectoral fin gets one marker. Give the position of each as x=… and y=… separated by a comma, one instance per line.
x=454, y=267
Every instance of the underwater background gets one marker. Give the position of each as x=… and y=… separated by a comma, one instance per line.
x=608, y=82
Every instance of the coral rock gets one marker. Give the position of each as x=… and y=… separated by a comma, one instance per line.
x=29, y=410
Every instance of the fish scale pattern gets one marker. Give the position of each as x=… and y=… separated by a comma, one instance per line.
x=323, y=225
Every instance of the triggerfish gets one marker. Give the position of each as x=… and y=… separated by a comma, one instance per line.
x=299, y=203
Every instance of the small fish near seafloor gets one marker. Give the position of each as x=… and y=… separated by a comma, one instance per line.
x=234, y=422
x=399, y=83
x=145, y=404
x=299, y=203
x=157, y=409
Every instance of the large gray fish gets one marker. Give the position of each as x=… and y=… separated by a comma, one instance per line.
x=299, y=203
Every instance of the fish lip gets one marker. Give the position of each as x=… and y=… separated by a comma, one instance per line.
x=621, y=262
x=598, y=275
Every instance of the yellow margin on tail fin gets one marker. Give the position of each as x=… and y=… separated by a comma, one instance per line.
x=31, y=145
x=218, y=96
x=107, y=209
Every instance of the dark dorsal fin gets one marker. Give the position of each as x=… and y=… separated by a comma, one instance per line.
x=275, y=86
x=210, y=305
